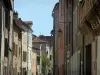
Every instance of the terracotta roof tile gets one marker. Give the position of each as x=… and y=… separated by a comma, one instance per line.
x=28, y=22
x=36, y=48
x=38, y=40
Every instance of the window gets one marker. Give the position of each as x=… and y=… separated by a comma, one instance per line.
x=32, y=73
x=19, y=35
x=19, y=51
x=38, y=60
x=24, y=56
x=30, y=39
x=47, y=52
x=24, y=71
x=6, y=48
x=7, y=18
x=69, y=28
x=66, y=35
x=14, y=71
x=50, y=57
x=18, y=73
x=16, y=51
x=28, y=56
x=66, y=1
x=13, y=48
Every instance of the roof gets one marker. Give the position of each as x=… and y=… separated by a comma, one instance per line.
x=36, y=48
x=24, y=25
x=46, y=38
x=38, y=40
x=21, y=24
x=34, y=35
x=28, y=26
x=28, y=22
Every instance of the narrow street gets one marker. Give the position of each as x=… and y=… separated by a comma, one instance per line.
x=49, y=37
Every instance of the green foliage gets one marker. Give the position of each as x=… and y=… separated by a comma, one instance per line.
x=45, y=61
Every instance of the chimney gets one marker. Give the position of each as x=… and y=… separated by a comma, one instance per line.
x=15, y=15
x=19, y=18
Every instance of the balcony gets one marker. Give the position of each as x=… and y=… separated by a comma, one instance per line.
x=89, y=16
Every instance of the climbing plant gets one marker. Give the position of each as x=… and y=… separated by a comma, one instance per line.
x=45, y=63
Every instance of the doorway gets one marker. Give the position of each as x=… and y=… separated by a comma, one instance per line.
x=88, y=59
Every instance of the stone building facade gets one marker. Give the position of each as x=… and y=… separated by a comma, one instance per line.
x=88, y=23
x=55, y=15
x=80, y=22
x=6, y=27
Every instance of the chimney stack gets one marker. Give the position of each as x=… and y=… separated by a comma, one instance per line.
x=15, y=15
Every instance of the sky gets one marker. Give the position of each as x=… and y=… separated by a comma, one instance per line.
x=38, y=11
